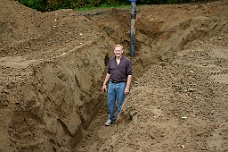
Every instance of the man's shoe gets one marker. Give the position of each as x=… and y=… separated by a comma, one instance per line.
x=108, y=122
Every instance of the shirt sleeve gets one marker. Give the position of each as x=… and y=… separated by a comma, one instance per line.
x=109, y=69
x=129, y=68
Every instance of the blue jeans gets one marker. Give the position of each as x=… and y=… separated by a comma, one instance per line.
x=115, y=93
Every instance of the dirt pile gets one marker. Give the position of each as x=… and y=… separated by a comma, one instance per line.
x=49, y=90
x=53, y=65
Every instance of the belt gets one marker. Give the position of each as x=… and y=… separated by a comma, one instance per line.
x=113, y=81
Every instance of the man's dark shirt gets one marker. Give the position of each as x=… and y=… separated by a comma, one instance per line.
x=119, y=72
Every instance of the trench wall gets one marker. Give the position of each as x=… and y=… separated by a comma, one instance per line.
x=49, y=102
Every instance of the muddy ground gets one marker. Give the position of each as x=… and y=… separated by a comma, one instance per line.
x=53, y=65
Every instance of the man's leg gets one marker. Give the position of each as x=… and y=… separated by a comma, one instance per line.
x=120, y=95
x=111, y=100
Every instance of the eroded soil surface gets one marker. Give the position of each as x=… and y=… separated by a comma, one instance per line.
x=53, y=65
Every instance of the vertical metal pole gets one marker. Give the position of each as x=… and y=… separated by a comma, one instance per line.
x=132, y=36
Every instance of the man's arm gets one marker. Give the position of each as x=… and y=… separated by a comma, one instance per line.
x=105, y=82
x=128, y=83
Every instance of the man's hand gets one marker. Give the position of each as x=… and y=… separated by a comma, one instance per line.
x=126, y=91
x=104, y=89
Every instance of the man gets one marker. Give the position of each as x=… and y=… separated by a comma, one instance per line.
x=119, y=76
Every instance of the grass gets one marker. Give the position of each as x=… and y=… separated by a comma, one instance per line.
x=102, y=7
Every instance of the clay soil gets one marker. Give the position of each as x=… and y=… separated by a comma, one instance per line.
x=53, y=65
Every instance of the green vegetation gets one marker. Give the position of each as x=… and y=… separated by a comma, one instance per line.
x=102, y=7
x=51, y=5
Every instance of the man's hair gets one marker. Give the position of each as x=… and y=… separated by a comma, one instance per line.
x=119, y=45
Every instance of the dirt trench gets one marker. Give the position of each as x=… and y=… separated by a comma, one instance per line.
x=53, y=66
x=175, y=98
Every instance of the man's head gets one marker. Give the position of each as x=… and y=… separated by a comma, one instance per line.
x=118, y=50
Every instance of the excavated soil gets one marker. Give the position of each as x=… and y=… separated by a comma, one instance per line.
x=53, y=65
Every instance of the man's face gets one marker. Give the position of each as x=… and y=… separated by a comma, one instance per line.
x=118, y=51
